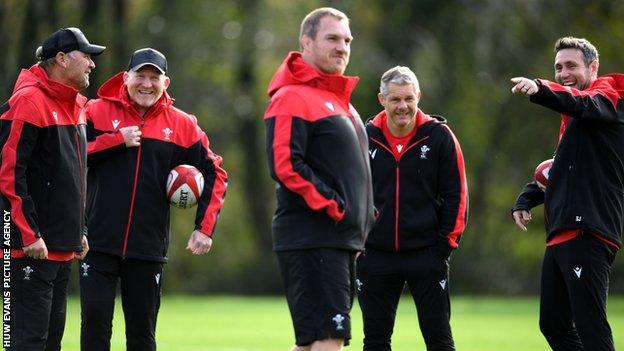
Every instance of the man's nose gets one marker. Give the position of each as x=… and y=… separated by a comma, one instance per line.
x=343, y=46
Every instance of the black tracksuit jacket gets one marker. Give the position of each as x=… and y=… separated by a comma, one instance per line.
x=127, y=208
x=317, y=153
x=422, y=196
x=42, y=168
x=586, y=182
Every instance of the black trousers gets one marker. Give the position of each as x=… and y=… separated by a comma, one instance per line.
x=574, y=288
x=381, y=277
x=38, y=304
x=140, y=297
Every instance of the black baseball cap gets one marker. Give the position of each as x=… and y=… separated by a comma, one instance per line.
x=148, y=56
x=67, y=40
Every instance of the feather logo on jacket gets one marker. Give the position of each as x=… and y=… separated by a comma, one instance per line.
x=168, y=133
x=423, y=151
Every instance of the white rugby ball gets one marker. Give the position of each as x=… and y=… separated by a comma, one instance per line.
x=184, y=186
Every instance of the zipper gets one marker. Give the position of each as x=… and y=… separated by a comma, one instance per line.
x=397, y=182
x=396, y=210
x=133, y=196
x=82, y=182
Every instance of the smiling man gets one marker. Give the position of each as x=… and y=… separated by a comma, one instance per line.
x=136, y=136
x=583, y=200
x=317, y=154
x=420, y=191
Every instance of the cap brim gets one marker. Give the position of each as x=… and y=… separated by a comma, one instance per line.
x=93, y=50
x=138, y=67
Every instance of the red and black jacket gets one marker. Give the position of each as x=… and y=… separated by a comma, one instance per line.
x=586, y=182
x=421, y=194
x=317, y=154
x=42, y=167
x=127, y=207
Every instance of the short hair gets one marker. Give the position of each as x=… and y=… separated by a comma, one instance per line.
x=47, y=63
x=400, y=75
x=310, y=24
x=588, y=49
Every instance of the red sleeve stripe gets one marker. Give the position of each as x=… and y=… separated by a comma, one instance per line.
x=290, y=178
x=218, y=192
x=597, y=90
x=460, y=221
x=105, y=141
x=8, y=178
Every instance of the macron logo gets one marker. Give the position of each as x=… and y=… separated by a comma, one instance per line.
x=442, y=283
x=115, y=123
x=577, y=271
x=372, y=153
x=330, y=106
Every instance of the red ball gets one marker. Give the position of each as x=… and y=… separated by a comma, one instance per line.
x=541, y=173
x=184, y=186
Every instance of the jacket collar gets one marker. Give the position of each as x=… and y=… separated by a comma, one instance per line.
x=295, y=71
x=36, y=76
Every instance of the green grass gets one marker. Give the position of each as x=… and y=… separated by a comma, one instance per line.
x=263, y=324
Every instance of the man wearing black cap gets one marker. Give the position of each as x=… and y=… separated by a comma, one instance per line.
x=42, y=182
x=135, y=138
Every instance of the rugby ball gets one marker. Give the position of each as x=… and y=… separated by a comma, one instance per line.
x=184, y=186
x=541, y=173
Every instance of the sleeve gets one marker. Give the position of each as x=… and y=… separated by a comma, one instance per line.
x=215, y=184
x=287, y=141
x=18, y=139
x=599, y=102
x=530, y=196
x=101, y=145
x=453, y=190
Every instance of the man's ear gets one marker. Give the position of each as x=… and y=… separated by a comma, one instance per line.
x=167, y=82
x=126, y=76
x=305, y=42
x=593, y=68
x=382, y=99
x=61, y=59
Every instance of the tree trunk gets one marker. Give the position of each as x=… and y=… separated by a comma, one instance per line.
x=250, y=128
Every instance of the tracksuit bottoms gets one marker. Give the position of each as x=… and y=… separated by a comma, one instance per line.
x=381, y=277
x=574, y=289
x=38, y=304
x=140, y=283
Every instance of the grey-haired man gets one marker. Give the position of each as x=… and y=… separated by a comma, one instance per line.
x=42, y=181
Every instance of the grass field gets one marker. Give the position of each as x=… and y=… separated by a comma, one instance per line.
x=256, y=323
x=263, y=324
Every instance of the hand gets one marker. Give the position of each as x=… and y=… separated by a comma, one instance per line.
x=522, y=218
x=131, y=135
x=37, y=250
x=524, y=86
x=85, y=248
x=199, y=243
